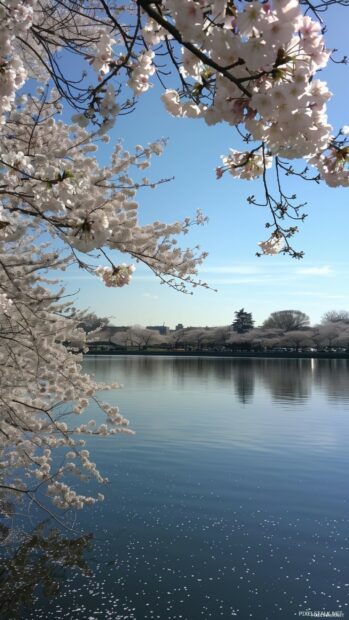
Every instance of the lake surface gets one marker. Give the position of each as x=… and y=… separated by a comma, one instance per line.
x=230, y=501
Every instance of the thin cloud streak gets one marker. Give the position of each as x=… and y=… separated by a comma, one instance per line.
x=326, y=270
x=320, y=295
x=65, y=278
x=150, y=296
x=232, y=269
x=256, y=281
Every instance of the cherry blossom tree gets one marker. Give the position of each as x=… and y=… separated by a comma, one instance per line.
x=140, y=337
x=60, y=207
x=194, y=337
x=218, y=336
x=265, y=338
x=297, y=339
x=176, y=339
x=327, y=334
x=253, y=66
x=240, y=341
x=342, y=340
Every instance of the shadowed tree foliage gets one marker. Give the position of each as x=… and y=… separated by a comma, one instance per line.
x=287, y=320
x=34, y=562
x=336, y=316
x=92, y=322
x=243, y=321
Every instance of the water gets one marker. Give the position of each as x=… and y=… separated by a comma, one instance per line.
x=230, y=501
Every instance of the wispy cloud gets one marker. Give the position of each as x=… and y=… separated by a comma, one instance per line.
x=150, y=296
x=255, y=281
x=232, y=269
x=137, y=276
x=68, y=278
x=325, y=270
x=321, y=295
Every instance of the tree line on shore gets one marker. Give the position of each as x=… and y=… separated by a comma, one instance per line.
x=285, y=330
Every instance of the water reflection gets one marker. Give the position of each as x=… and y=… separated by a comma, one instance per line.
x=332, y=377
x=35, y=564
x=231, y=499
x=284, y=379
x=244, y=382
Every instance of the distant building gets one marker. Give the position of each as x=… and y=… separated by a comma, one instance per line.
x=179, y=326
x=162, y=329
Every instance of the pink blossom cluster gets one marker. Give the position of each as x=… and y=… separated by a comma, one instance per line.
x=86, y=205
x=15, y=19
x=103, y=56
x=117, y=276
x=53, y=185
x=5, y=303
x=273, y=245
x=248, y=165
x=42, y=384
x=333, y=165
x=141, y=71
x=275, y=52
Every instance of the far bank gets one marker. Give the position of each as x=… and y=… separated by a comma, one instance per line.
x=229, y=354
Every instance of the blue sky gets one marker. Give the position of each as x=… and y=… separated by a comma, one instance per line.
x=314, y=285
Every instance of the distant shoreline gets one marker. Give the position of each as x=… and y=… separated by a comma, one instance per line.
x=231, y=354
